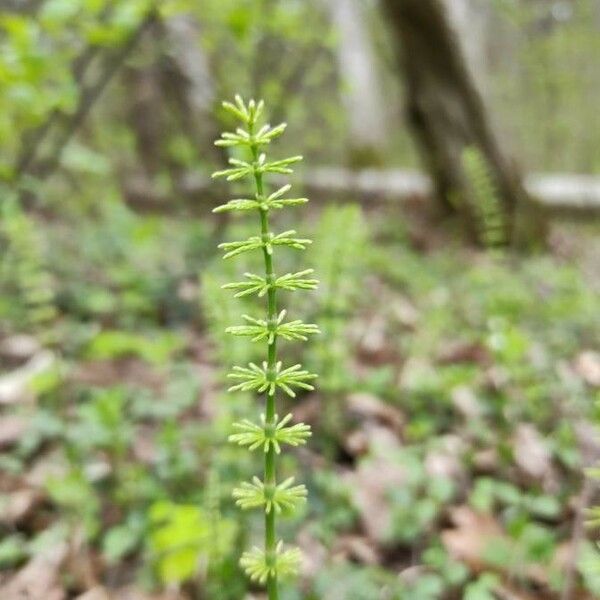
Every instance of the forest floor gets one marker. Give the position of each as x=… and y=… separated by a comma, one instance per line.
x=456, y=411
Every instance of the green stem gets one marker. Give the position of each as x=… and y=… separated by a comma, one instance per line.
x=270, y=456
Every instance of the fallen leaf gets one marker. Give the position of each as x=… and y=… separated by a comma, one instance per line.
x=14, y=387
x=369, y=406
x=466, y=402
x=135, y=593
x=405, y=312
x=356, y=443
x=587, y=366
x=314, y=553
x=473, y=534
x=97, y=593
x=411, y=575
x=530, y=451
x=369, y=486
x=588, y=439
x=19, y=347
x=487, y=460
x=128, y=371
x=374, y=347
x=51, y=464
x=39, y=579
x=505, y=591
x=18, y=505
x=446, y=459
x=12, y=428
x=357, y=548
x=463, y=352
x=379, y=425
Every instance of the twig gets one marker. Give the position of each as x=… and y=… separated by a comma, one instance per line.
x=87, y=99
x=587, y=491
x=32, y=140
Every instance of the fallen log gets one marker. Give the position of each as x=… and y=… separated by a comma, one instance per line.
x=555, y=193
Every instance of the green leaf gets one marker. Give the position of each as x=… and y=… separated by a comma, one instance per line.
x=13, y=550
x=120, y=541
x=183, y=534
x=116, y=344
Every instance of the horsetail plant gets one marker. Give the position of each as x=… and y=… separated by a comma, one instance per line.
x=269, y=564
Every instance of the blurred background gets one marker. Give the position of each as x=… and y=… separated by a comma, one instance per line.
x=452, y=158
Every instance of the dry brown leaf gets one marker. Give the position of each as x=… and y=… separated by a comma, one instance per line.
x=12, y=428
x=588, y=439
x=50, y=464
x=446, y=459
x=405, y=312
x=130, y=371
x=370, y=485
x=505, y=591
x=466, y=403
x=97, y=593
x=374, y=347
x=14, y=386
x=39, y=579
x=16, y=506
x=135, y=593
x=369, y=406
x=473, y=534
x=487, y=460
x=587, y=366
x=463, y=352
x=144, y=447
x=314, y=553
x=415, y=371
x=411, y=575
x=357, y=548
x=19, y=347
x=531, y=452
x=356, y=443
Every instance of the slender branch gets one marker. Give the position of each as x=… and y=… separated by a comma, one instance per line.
x=578, y=534
x=88, y=97
x=32, y=140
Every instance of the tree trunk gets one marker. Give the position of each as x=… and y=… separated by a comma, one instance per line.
x=361, y=89
x=449, y=121
x=189, y=80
